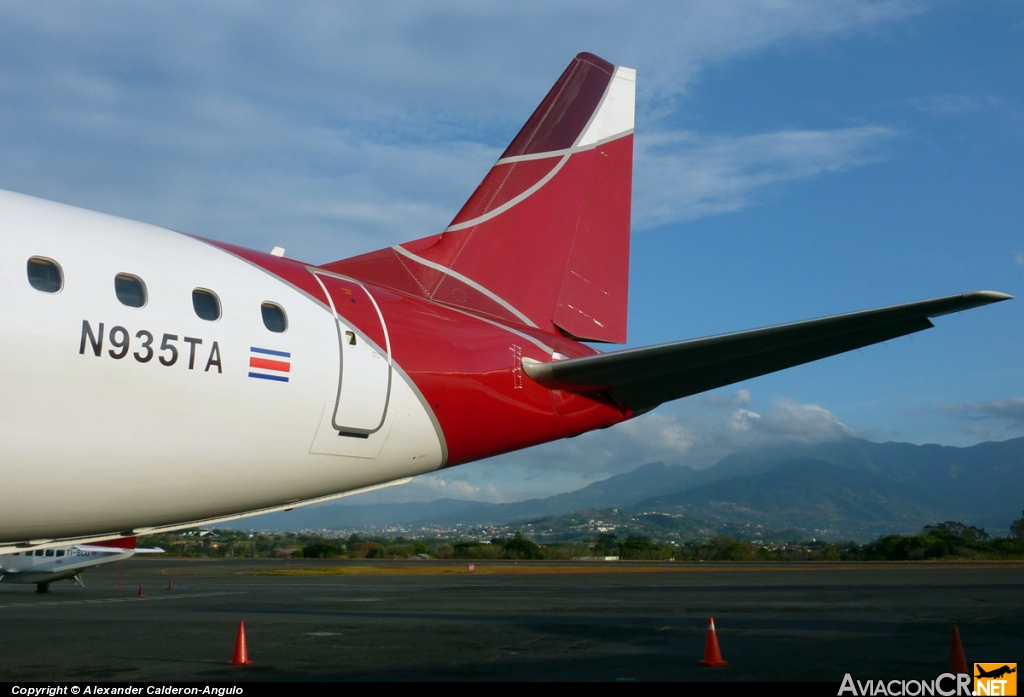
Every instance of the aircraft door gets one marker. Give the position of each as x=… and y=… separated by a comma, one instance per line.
x=364, y=349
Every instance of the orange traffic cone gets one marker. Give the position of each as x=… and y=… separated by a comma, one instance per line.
x=241, y=650
x=712, y=655
x=957, y=661
x=170, y=585
x=142, y=594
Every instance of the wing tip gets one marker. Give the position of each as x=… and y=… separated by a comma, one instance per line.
x=976, y=298
x=964, y=301
x=988, y=296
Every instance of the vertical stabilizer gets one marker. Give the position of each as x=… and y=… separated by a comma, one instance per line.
x=544, y=239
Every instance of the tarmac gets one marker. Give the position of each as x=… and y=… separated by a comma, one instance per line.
x=432, y=620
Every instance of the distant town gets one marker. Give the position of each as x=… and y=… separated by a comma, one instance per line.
x=846, y=500
x=602, y=540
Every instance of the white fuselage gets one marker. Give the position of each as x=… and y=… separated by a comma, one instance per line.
x=139, y=442
x=55, y=564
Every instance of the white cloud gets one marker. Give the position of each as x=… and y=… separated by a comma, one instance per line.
x=446, y=484
x=685, y=175
x=457, y=488
x=1009, y=410
x=953, y=104
x=698, y=432
x=982, y=433
x=331, y=129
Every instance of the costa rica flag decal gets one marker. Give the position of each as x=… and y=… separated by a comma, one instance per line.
x=267, y=364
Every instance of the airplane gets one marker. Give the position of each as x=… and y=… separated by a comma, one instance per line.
x=44, y=566
x=156, y=380
x=995, y=672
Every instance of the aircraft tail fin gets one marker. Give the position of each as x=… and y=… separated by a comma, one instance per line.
x=114, y=543
x=544, y=239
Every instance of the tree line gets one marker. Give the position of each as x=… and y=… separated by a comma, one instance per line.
x=947, y=540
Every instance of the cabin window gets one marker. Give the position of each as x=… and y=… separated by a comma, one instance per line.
x=45, y=275
x=39, y=552
x=206, y=304
x=49, y=552
x=60, y=552
x=274, y=318
x=131, y=291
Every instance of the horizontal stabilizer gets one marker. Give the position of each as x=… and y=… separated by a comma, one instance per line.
x=642, y=378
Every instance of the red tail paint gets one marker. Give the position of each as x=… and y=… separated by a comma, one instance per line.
x=544, y=239
x=119, y=542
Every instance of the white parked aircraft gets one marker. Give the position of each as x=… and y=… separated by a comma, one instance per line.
x=44, y=566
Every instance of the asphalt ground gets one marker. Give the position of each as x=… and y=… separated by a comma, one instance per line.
x=430, y=620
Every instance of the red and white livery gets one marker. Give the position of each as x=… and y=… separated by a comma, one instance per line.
x=156, y=380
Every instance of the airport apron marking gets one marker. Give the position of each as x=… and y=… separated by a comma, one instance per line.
x=117, y=600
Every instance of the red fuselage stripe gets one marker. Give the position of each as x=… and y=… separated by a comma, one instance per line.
x=465, y=372
x=268, y=364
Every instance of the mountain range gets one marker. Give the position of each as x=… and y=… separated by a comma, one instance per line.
x=846, y=489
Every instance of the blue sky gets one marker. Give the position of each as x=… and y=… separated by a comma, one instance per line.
x=794, y=159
